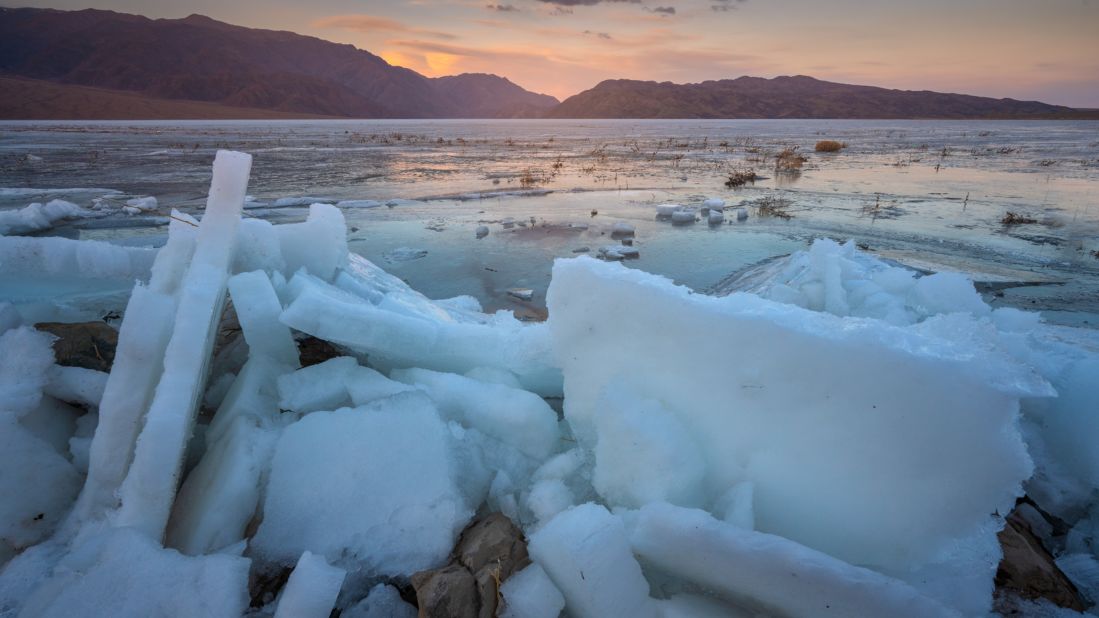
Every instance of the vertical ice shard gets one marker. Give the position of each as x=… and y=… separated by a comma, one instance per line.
x=138, y=364
x=149, y=487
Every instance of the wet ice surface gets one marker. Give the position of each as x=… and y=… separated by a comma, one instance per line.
x=930, y=194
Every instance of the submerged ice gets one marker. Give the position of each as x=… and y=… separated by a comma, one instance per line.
x=841, y=436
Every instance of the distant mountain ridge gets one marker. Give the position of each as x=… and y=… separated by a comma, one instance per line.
x=789, y=97
x=201, y=59
x=101, y=64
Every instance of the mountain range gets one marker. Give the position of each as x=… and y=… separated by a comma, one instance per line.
x=92, y=64
x=199, y=59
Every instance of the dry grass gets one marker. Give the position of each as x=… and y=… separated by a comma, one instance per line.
x=828, y=145
x=1012, y=218
x=789, y=160
x=771, y=206
x=739, y=178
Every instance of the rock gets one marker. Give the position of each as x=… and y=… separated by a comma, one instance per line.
x=90, y=345
x=482, y=231
x=491, y=541
x=581, y=250
x=488, y=551
x=315, y=351
x=1028, y=570
x=449, y=592
x=521, y=293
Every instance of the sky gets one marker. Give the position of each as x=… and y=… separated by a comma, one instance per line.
x=1046, y=50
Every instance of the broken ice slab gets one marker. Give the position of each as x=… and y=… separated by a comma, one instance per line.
x=769, y=571
x=513, y=416
x=150, y=484
x=123, y=573
x=869, y=402
x=258, y=309
x=373, y=313
x=586, y=553
x=221, y=494
x=340, y=480
x=311, y=590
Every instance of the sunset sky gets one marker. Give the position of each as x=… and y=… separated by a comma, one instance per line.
x=1025, y=49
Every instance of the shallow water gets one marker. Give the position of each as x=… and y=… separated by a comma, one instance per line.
x=927, y=193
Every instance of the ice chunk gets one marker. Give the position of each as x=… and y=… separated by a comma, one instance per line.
x=358, y=204
x=741, y=214
x=76, y=385
x=404, y=254
x=683, y=215
x=494, y=375
x=547, y=498
x=1070, y=422
x=258, y=311
x=9, y=317
x=716, y=217
x=587, y=555
x=698, y=606
x=373, y=313
x=665, y=211
x=946, y=293
x=481, y=231
x=510, y=415
x=36, y=217
x=220, y=496
x=38, y=485
x=319, y=244
x=365, y=385
x=618, y=252
x=311, y=590
x=26, y=357
x=530, y=594
x=140, y=204
x=258, y=248
x=869, y=403
x=382, y=602
x=714, y=203
x=371, y=487
x=778, y=574
x=521, y=293
x=318, y=387
x=124, y=573
x=621, y=229
x=843, y=281
x=81, y=440
x=54, y=422
x=643, y=454
x=150, y=485
x=735, y=506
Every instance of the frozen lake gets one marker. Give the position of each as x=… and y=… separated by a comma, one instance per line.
x=930, y=194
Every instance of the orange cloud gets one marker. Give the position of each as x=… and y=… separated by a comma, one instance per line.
x=371, y=24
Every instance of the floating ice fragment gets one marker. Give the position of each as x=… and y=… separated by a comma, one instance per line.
x=521, y=293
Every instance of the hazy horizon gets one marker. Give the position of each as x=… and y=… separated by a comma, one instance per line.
x=996, y=48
